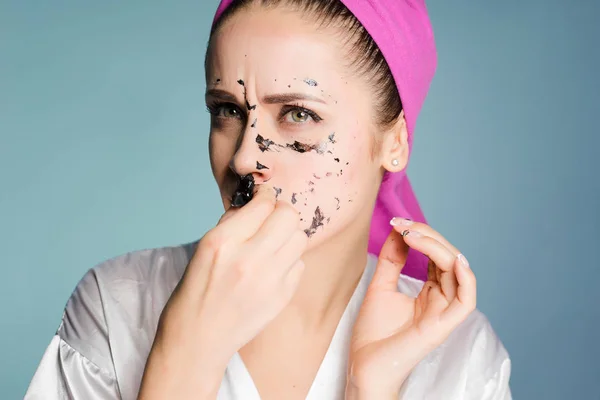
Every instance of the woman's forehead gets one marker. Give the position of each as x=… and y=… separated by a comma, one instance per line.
x=268, y=48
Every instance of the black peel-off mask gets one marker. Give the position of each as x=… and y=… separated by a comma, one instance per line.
x=244, y=192
x=316, y=222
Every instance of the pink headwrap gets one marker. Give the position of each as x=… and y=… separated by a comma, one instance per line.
x=402, y=30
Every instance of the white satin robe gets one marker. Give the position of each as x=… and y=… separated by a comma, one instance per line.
x=100, y=348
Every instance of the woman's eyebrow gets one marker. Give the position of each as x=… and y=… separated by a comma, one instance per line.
x=283, y=98
x=221, y=94
x=280, y=98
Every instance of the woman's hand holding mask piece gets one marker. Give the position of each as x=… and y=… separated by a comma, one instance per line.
x=244, y=272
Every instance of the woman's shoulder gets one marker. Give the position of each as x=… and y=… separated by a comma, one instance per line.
x=122, y=296
x=145, y=264
x=129, y=277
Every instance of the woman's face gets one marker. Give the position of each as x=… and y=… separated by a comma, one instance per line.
x=287, y=109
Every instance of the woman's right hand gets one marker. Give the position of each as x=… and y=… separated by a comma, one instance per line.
x=242, y=275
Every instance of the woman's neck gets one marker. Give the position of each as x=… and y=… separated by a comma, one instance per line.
x=332, y=273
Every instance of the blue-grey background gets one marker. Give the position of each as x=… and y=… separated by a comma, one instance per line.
x=103, y=150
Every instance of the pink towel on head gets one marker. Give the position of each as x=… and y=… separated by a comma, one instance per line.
x=402, y=30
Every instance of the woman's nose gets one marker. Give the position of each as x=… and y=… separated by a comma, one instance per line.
x=249, y=159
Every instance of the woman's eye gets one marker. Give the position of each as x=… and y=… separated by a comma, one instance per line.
x=299, y=116
x=229, y=112
x=225, y=111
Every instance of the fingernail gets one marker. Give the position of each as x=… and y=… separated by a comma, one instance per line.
x=415, y=234
x=396, y=221
x=463, y=260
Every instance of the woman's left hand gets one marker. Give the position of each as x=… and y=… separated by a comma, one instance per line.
x=393, y=331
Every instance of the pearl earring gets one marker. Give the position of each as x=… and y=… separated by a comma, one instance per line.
x=395, y=162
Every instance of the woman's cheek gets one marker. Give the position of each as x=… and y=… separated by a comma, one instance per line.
x=220, y=153
x=326, y=200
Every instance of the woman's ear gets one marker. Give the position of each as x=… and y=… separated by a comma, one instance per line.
x=394, y=148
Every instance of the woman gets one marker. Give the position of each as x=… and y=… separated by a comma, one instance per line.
x=313, y=106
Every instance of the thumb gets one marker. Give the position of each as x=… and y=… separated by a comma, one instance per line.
x=392, y=259
x=230, y=212
x=259, y=190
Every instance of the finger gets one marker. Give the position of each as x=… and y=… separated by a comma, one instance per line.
x=432, y=271
x=426, y=230
x=436, y=304
x=392, y=259
x=242, y=223
x=449, y=284
x=466, y=295
x=436, y=251
x=230, y=212
x=291, y=251
x=440, y=267
x=422, y=299
x=276, y=230
x=446, y=280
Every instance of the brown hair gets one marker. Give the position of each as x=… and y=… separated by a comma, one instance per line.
x=365, y=56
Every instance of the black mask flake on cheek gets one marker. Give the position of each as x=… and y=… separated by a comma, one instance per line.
x=244, y=192
x=310, y=82
x=303, y=147
x=316, y=222
x=264, y=144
